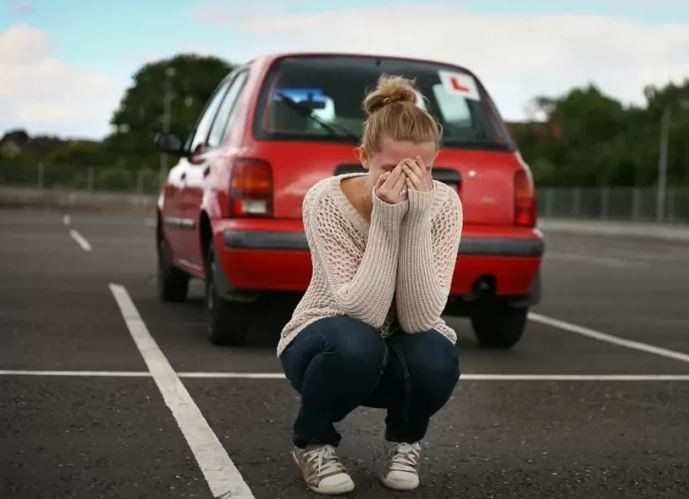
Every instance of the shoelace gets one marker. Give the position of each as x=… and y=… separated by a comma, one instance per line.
x=404, y=457
x=325, y=459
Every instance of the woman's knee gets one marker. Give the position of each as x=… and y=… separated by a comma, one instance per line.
x=431, y=358
x=336, y=348
x=356, y=344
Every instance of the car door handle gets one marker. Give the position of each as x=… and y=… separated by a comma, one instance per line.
x=206, y=171
x=183, y=176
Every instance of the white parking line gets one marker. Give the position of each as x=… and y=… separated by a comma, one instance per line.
x=473, y=377
x=219, y=375
x=591, y=333
x=66, y=220
x=222, y=475
x=80, y=240
x=117, y=374
x=576, y=377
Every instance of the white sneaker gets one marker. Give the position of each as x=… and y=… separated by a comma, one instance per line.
x=322, y=470
x=401, y=470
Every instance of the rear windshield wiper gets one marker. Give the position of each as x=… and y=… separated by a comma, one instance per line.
x=305, y=111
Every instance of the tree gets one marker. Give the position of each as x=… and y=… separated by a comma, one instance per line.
x=18, y=136
x=675, y=98
x=82, y=153
x=140, y=114
x=590, y=139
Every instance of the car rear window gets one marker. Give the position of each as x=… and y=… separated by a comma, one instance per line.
x=319, y=98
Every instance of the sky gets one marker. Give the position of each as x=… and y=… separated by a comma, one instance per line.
x=65, y=64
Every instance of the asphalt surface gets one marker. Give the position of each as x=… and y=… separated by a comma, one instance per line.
x=99, y=435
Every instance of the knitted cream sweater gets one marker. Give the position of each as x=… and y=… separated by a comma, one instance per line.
x=394, y=273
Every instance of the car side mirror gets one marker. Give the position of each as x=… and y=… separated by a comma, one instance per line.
x=169, y=143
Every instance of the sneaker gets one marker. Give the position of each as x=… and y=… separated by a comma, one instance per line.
x=401, y=470
x=322, y=470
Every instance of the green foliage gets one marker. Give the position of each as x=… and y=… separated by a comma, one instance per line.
x=18, y=136
x=586, y=138
x=189, y=79
x=80, y=153
x=589, y=139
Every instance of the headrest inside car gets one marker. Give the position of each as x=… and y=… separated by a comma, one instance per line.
x=285, y=118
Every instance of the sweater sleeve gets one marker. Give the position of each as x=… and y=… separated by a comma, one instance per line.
x=428, y=254
x=363, y=286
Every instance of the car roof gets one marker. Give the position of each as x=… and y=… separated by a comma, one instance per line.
x=268, y=59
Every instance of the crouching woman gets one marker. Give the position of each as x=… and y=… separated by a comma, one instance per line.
x=368, y=331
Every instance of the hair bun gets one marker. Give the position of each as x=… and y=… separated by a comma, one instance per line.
x=390, y=89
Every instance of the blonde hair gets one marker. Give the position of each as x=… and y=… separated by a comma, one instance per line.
x=393, y=113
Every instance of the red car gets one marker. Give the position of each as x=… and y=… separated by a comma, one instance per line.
x=230, y=209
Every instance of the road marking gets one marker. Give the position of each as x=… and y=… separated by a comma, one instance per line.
x=576, y=377
x=80, y=240
x=473, y=377
x=222, y=475
x=592, y=333
x=66, y=220
x=219, y=375
x=477, y=377
x=599, y=260
x=118, y=374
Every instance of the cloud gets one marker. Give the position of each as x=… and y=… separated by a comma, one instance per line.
x=44, y=95
x=517, y=56
x=23, y=45
x=21, y=7
x=219, y=14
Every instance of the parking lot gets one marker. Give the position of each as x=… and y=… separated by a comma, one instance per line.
x=107, y=392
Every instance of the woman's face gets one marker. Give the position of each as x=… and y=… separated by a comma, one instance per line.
x=392, y=152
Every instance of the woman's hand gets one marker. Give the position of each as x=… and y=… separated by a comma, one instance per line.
x=417, y=176
x=390, y=186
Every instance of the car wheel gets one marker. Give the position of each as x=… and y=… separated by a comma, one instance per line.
x=498, y=325
x=173, y=283
x=228, y=322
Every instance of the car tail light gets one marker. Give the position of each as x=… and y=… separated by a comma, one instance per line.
x=251, y=188
x=524, y=199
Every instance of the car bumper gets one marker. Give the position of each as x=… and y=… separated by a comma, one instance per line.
x=276, y=258
x=468, y=246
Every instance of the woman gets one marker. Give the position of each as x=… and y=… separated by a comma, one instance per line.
x=368, y=329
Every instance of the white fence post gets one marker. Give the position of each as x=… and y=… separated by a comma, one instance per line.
x=605, y=201
x=671, y=204
x=576, y=201
x=140, y=182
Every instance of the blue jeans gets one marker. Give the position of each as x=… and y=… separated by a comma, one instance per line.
x=339, y=363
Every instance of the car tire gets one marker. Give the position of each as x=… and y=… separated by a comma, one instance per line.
x=497, y=325
x=228, y=322
x=173, y=283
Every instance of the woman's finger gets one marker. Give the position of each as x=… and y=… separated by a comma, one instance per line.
x=380, y=180
x=416, y=180
x=401, y=181
x=394, y=175
x=426, y=177
x=420, y=163
x=413, y=166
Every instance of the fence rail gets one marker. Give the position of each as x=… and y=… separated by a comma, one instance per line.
x=143, y=181
x=600, y=203
x=613, y=203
